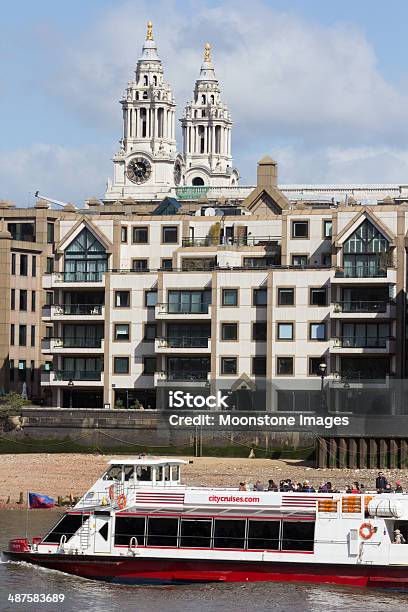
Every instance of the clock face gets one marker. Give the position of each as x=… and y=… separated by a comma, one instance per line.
x=139, y=170
x=177, y=173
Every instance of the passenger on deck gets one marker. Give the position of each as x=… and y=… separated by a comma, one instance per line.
x=388, y=489
x=272, y=486
x=258, y=486
x=398, y=537
x=355, y=488
x=242, y=486
x=307, y=487
x=380, y=482
x=398, y=487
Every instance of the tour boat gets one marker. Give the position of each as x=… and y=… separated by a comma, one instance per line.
x=139, y=525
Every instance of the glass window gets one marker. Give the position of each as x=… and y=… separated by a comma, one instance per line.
x=12, y=334
x=300, y=229
x=259, y=366
x=229, y=533
x=22, y=231
x=259, y=331
x=284, y=366
x=327, y=228
x=195, y=533
x=144, y=473
x=166, y=264
x=141, y=235
x=230, y=297
x=285, y=331
x=170, y=234
x=298, y=535
x=318, y=297
x=121, y=365
x=139, y=265
x=33, y=265
x=162, y=531
x=149, y=332
x=11, y=369
x=114, y=473
x=122, y=299
x=286, y=296
x=50, y=233
x=67, y=527
x=299, y=261
x=228, y=365
x=13, y=263
x=175, y=473
x=22, y=335
x=317, y=331
x=314, y=363
x=49, y=298
x=151, y=298
x=229, y=331
x=260, y=297
x=23, y=265
x=32, y=335
x=22, y=370
x=263, y=535
x=13, y=299
x=149, y=365
x=23, y=299
x=124, y=234
x=128, y=527
x=50, y=265
x=122, y=331
x=33, y=301
x=188, y=301
x=366, y=239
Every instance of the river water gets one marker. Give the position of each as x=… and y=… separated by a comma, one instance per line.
x=81, y=594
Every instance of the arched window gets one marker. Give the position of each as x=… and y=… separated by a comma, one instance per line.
x=85, y=258
x=201, y=138
x=145, y=95
x=145, y=80
x=154, y=80
x=197, y=180
x=218, y=139
x=365, y=251
x=212, y=99
x=143, y=122
x=160, y=117
x=203, y=99
x=137, y=95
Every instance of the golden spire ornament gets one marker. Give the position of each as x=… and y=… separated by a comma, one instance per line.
x=149, y=35
x=207, y=52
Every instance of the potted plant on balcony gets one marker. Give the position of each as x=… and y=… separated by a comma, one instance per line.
x=214, y=234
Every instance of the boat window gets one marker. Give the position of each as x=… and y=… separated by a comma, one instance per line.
x=114, y=473
x=67, y=527
x=298, y=535
x=175, y=472
x=159, y=473
x=162, y=532
x=195, y=533
x=167, y=472
x=229, y=533
x=263, y=535
x=144, y=473
x=129, y=471
x=127, y=527
x=104, y=531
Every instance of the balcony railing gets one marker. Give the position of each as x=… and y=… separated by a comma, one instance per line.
x=198, y=308
x=65, y=375
x=184, y=342
x=78, y=342
x=361, y=272
x=79, y=309
x=360, y=342
x=78, y=277
x=361, y=306
x=209, y=241
x=187, y=376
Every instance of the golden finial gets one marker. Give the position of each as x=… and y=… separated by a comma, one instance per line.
x=149, y=35
x=207, y=52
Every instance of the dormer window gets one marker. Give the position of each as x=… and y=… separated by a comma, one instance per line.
x=365, y=251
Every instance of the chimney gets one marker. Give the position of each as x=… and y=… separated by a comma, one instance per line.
x=267, y=174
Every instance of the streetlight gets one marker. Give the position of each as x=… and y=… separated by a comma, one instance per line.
x=70, y=385
x=322, y=369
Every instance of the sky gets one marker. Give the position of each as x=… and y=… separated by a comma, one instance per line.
x=320, y=85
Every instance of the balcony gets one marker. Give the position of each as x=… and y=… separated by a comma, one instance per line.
x=363, y=309
x=73, y=279
x=201, y=310
x=60, y=346
x=183, y=344
x=62, y=378
x=209, y=241
x=192, y=378
x=362, y=345
x=364, y=274
x=74, y=312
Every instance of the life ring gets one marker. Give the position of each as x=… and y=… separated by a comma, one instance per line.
x=366, y=531
x=121, y=501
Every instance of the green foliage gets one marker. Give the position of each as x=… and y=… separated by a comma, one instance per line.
x=11, y=404
x=214, y=233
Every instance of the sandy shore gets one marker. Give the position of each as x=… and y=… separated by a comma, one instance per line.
x=65, y=474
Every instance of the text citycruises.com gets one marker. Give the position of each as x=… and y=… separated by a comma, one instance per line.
x=232, y=498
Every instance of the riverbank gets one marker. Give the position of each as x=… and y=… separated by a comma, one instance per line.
x=72, y=474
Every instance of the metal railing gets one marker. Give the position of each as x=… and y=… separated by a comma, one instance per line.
x=79, y=309
x=79, y=342
x=209, y=241
x=361, y=272
x=361, y=306
x=192, y=375
x=184, y=342
x=198, y=308
x=79, y=277
x=361, y=342
x=66, y=375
